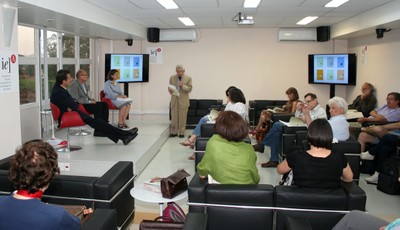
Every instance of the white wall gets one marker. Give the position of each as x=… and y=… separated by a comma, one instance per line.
x=251, y=59
x=381, y=66
x=10, y=114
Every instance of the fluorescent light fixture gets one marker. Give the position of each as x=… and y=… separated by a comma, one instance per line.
x=306, y=20
x=186, y=21
x=168, y=4
x=336, y=3
x=251, y=3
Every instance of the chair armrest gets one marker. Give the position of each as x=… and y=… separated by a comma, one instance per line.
x=195, y=221
x=356, y=197
x=113, y=180
x=101, y=219
x=197, y=192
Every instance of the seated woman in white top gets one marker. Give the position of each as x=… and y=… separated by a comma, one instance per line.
x=236, y=103
x=117, y=97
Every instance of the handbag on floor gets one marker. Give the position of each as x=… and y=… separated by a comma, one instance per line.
x=388, y=180
x=161, y=222
x=175, y=184
x=174, y=212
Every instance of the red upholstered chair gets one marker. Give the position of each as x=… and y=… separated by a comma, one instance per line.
x=109, y=103
x=68, y=120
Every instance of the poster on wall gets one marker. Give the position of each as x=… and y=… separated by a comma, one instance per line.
x=156, y=55
x=8, y=72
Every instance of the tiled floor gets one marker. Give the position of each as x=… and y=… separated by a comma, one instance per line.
x=173, y=156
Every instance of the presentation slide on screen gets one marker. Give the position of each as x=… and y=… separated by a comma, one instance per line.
x=130, y=67
x=331, y=69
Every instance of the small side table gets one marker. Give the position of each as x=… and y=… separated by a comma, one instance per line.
x=141, y=193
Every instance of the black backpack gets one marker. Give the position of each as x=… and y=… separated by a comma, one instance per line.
x=388, y=180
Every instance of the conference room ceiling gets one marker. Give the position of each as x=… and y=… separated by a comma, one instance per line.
x=219, y=13
x=206, y=14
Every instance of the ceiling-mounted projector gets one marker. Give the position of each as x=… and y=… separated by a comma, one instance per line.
x=242, y=19
x=246, y=21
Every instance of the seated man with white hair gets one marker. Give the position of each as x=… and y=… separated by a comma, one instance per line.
x=338, y=122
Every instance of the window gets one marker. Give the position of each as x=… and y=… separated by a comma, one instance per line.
x=27, y=61
x=46, y=46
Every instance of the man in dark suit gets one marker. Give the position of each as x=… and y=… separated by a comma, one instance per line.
x=65, y=102
x=79, y=90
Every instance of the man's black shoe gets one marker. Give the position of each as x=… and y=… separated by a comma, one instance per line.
x=132, y=131
x=99, y=134
x=270, y=164
x=181, y=136
x=127, y=139
x=258, y=148
x=173, y=135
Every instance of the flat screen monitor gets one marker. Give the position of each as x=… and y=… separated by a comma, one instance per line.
x=334, y=69
x=132, y=68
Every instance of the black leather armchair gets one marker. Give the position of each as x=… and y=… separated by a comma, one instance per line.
x=110, y=191
x=253, y=206
x=199, y=108
x=256, y=106
x=231, y=206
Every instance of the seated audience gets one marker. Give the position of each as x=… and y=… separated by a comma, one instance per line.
x=227, y=159
x=390, y=112
x=117, y=97
x=318, y=167
x=274, y=136
x=236, y=103
x=366, y=101
x=32, y=168
x=63, y=100
x=289, y=107
x=379, y=153
x=79, y=90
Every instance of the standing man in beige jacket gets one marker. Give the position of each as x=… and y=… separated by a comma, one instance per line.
x=180, y=85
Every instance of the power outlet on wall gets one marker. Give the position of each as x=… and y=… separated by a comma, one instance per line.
x=64, y=166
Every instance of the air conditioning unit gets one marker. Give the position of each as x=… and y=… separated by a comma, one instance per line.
x=178, y=35
x=297, y=34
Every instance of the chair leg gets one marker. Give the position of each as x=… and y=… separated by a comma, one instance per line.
x=80, y=132
x=69, y=147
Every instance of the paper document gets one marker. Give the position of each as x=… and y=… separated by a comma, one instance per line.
x=175, y=91
x=213, y=115
x=276, y=110
x=124, y=99
x=294, y=121
x=353, y=114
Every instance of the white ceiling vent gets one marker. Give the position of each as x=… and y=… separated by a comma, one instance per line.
x=178, y=35
x=295, y=34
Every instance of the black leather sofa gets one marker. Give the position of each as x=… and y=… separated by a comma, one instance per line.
x=256, y=106
x=199, y=108
x=110, y=191
x=260, y=206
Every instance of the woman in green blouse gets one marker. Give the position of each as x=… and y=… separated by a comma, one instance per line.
x=229, y=160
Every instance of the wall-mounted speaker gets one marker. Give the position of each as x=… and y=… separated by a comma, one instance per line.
x=323, y=33
x=153, y=34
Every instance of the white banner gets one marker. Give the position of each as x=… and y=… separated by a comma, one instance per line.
x=8, y=72
x=156, y=55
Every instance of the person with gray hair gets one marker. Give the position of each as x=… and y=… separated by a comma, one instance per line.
x=338, y=122
x=180, y=85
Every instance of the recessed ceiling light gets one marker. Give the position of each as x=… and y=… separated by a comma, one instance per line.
x=186, y=21
x=168, y=4
x=306, y=20
x=251, y=3
x=336, y=3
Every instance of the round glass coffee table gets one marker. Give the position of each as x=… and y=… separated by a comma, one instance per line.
x=141, y=193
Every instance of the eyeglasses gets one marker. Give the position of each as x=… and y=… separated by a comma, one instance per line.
x=308, y=101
